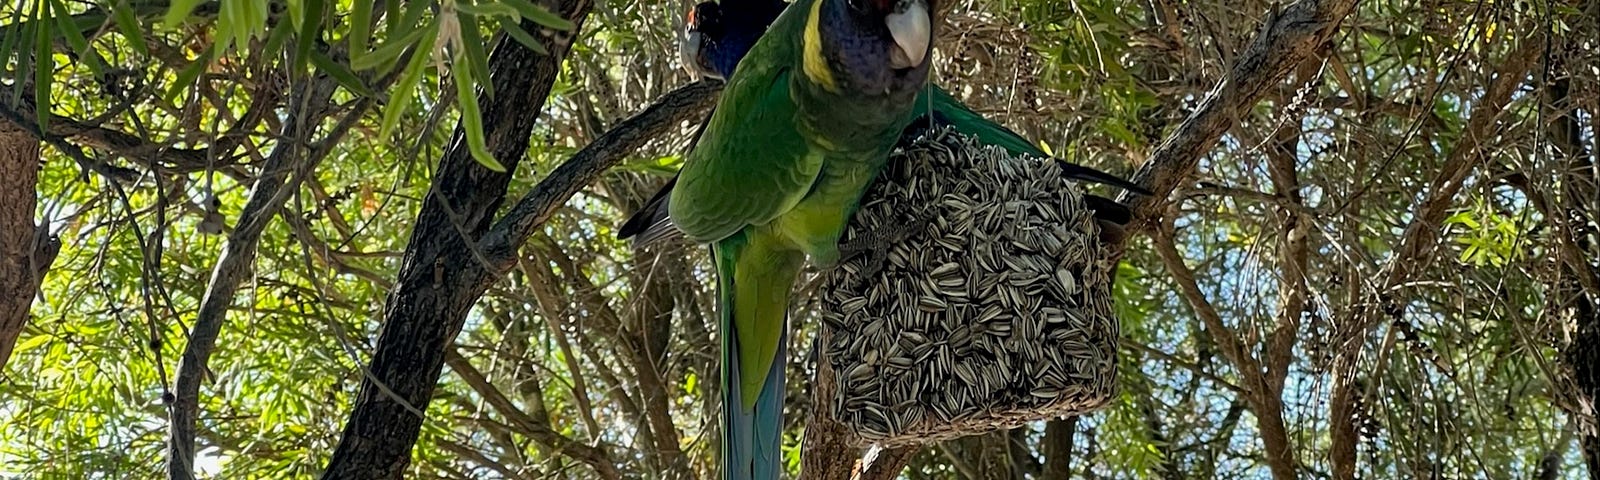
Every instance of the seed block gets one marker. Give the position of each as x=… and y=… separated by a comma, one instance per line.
x=992, y=310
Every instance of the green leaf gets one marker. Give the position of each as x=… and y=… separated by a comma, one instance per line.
x=44, y=67
x=310, y=27
x=17, y=29
x=471, y=120
x=228, y=19
x=360, y=29
x=413, y=16
x=255, y=17
x=74, y=37
x=488, y=10
x=279, y=36
x=1463, y=218
x=128, y=23
x=179, y=11
x=473, y=41
x=540, y=15
x=521, y=36
x=187, y=76
x=341, y=74
x=31, y=343
x=388, y=52
x=400, y=94
x=391, y=15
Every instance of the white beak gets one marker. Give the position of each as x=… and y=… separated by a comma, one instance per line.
x=912, y=30
x=689, y=54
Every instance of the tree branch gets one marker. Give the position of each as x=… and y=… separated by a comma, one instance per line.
x=829, y=451
x=290, y=162
x=1288, y=38
x=1057, y=449
x=536, y=428
x=442, y=276
x=535, y=208
x=1417, y=246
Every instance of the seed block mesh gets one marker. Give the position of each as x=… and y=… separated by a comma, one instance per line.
x=985, y=305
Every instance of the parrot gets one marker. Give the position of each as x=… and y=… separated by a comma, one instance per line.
x=718, y=35
x=774, y=177
x=711, y=47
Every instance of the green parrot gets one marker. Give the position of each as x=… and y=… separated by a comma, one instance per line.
x=775, y=176
x=717, y=36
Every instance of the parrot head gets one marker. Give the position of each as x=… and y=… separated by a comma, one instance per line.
x=702, y=30
x=869, y=45
x=717, y=36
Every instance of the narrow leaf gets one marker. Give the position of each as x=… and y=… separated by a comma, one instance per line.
x=401, y=93
x=521, y=36
x=488, y=9
x=471, y=120
x=476, y=55
x=386, y=53
x=413, y=16
x=74, y=37
x=340, y=74
x=360, y=29
x=310, y=28
x=256, y=17
x=279, y=36
x=15, y=30
x=179, y=11
x=44, y=67
x=128, y=23
x=187, y=76
x=541, y=15
x=391, y=13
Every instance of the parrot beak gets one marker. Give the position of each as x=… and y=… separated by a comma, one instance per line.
x=697, y=39
x=689, y=54
x=912, y=29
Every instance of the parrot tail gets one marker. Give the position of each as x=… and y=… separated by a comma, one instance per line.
x=651, y=224
x=753, y=310
x=1108, y=209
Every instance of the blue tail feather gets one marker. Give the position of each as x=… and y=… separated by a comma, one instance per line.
x=752, y=439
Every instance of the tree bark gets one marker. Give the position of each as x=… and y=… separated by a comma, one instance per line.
x=443, y=271
x=1295, y=33
x=289, y=163
x=26, y=250
x=1579, y=284
x=1058, y=441
x=455, y=254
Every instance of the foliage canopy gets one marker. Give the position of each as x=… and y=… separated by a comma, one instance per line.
x=1383, y=266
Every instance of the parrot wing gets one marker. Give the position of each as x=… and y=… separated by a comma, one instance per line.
x=750, y=148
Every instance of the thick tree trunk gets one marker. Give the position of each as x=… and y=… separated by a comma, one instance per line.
x=1058, y=436
x=25, y=249
x=443, y=271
